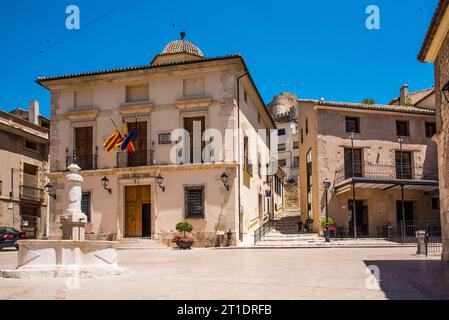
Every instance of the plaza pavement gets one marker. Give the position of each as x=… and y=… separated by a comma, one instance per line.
x=313, y=273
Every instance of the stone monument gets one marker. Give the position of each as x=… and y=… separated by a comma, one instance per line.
x=72, y=256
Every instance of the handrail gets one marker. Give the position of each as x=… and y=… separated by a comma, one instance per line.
x=263, y=230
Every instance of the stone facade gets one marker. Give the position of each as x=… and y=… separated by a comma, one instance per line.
x=325, y=142
x=165, y=108
x=441, y=78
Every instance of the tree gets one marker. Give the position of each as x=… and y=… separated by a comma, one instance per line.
x=369, y=101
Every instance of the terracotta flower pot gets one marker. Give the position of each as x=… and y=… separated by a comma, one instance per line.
x=183, y=245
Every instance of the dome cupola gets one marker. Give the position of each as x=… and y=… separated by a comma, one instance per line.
x=179, y=51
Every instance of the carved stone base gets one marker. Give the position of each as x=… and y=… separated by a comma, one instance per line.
x=63, y=258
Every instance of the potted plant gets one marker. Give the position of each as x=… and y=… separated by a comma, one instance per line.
x=331, y=226
x=186, y=240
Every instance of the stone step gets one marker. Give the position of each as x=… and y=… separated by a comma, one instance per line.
x=140, y=243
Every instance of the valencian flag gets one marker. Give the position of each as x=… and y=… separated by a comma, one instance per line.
x=113, y=140
x=118, y=141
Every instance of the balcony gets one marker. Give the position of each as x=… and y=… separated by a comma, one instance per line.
x=85, y=162
x=31, y=193
x=135, y=159
x=384, y=171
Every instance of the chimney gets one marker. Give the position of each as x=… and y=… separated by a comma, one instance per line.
x=404, y=94
x=33, y=111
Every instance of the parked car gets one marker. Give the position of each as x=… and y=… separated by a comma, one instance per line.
x=9, y=237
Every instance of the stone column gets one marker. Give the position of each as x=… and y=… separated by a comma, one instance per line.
x=73, y=221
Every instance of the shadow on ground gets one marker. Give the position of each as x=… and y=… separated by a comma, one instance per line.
x=413, y=279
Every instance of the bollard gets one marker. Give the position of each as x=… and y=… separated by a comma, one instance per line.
x=421, y=241
x=229, y=238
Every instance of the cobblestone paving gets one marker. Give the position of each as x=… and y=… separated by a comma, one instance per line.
x=325, y=273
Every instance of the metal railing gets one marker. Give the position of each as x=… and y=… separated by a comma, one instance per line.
x=405, y=231
x=31, y=193
x=85, y=162
x=263, y=230
x=135, y=159
x=386, y=171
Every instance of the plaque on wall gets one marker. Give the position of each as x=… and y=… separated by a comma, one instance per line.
x=164, y=138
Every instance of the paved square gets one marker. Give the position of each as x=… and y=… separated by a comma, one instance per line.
x=339, y=273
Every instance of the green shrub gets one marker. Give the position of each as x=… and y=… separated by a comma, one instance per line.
x=330, y=222
x=184, y=227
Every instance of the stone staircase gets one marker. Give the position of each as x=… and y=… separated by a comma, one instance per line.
x=286, y=234
x=140, y=244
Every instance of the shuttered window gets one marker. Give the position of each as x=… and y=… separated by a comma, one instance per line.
x=194, y=198
x=85, y=205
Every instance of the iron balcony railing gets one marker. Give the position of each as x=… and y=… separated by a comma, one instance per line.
x=386, y=171
x=31, y=193
x=85, y=162
x=135, y=159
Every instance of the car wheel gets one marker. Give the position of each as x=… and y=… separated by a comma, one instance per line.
x=17, y=247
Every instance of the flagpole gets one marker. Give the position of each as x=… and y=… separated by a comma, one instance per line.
x=114, y=124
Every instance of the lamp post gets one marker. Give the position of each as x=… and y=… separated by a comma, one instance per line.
x=49, y=189
x=224, y=178
x=327, y=184
x=401, y=165
x=351, y=135
x=105, y=183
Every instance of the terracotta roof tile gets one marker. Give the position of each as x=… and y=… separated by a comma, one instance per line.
x=372, y=107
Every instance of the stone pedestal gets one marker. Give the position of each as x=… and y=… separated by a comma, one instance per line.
x=73, y=221
x=63, y=258
x=422, y=242
x=72, y=257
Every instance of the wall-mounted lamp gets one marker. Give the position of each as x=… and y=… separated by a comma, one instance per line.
x=49, y=189
x=445, y=91
x=224, y=178
x=105, y=183
x=160, y=181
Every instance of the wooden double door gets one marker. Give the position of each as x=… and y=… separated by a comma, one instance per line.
x=138, y=211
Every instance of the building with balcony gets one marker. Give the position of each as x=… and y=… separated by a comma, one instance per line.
x=179, y=89
x=370, y=153
x=24, y=162
x=435, y=48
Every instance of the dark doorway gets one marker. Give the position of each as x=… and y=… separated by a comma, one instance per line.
x=146, y=220
x=408, y=208
x=361, y=218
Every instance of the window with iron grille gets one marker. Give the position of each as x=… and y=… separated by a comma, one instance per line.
x=194, y=199
x=85, y=205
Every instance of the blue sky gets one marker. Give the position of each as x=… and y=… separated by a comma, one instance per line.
x=312, y=48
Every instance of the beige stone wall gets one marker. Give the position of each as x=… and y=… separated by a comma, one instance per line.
x=441, y=78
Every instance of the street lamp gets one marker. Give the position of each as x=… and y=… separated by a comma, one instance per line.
x=224, y=178
x=327, y=184
x=352, y=135
x=49, y=189
x=105, y=183
x=401, y=167
x=160, y=181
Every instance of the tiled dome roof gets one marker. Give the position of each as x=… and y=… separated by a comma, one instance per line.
x=182, y=46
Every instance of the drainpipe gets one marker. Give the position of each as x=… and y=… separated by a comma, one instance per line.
x=239, y=155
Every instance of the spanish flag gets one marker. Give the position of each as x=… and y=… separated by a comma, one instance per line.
x=126, y=142
x=112, y=142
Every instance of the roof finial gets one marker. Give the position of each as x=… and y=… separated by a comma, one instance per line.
x=183, y=35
